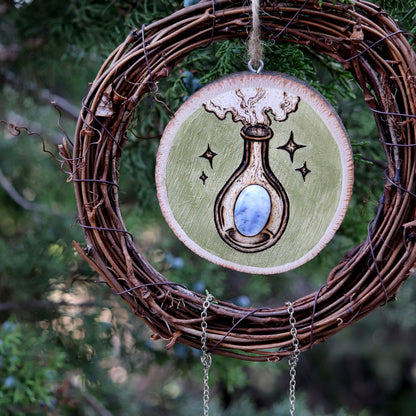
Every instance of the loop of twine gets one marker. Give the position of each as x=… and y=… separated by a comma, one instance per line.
x=255, y=47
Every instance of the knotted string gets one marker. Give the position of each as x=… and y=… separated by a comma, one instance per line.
x=255, y=47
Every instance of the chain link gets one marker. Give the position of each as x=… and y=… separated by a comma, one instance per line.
x=207, y=360
x=294, y=358
x=206, y=356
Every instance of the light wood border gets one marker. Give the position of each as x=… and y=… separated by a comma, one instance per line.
x=265, y=80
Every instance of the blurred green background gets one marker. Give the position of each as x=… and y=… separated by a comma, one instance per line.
x=68, y=345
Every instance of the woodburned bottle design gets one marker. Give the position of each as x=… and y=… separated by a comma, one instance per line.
x=255, y=173
x=251, y=211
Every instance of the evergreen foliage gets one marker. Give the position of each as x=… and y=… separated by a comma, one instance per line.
x=27, y=372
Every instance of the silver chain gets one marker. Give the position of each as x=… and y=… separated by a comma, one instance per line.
x=207, y=360
x=206, y=356
x=294, y=358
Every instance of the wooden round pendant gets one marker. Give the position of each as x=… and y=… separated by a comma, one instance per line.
x=255, y=173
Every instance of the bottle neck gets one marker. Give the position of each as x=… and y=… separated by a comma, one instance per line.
x=257, y=132
x=256, y=146
x=256, y=153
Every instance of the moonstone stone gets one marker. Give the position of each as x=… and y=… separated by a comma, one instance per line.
x=252, y=210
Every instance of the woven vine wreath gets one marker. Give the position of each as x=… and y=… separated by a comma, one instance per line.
x=369, y=44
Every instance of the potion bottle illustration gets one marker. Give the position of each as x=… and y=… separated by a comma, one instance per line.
x=252, y=209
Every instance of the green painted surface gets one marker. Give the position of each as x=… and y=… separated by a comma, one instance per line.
x=313, y=202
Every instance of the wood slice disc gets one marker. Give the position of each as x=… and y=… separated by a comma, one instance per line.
x=255, y=173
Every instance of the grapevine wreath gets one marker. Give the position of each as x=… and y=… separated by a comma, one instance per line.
x=369, y=44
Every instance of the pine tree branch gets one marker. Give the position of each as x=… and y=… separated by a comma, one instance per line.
x=13, y=194
x=42, y=304
x=24, y=203
x=41, y=94
x=92, y=402
x=69, y=109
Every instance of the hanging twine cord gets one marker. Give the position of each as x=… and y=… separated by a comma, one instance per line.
x=255, y=47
